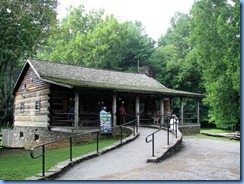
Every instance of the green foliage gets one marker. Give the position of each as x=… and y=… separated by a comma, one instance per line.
x=25, y=25
x=178, y=60
x=201, y=53
x=215, y=37
x=90, y=40
x=175, y=61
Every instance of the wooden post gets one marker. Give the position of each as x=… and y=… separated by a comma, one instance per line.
x=181, y=110
x=76, y=109
x=198, y=111
x=161, y=110
x=138, y=109
x=114, y=110
x=171, y=105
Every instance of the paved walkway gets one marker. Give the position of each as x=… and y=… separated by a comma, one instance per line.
x=199, y=159
x=122, y=160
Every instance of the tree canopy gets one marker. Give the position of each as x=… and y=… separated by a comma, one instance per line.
x=95, y=40
x=25, y=26
x=215, y=36
x=199, y=53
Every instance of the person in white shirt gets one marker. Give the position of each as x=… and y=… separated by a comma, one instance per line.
x=103, y=111
x=173, y=121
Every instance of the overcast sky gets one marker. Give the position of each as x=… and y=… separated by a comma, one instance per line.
x=155, y=15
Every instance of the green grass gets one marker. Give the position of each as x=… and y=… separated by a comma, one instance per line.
x=215, y=130
x=0, y=136
x=21, y=166
x=202, y=136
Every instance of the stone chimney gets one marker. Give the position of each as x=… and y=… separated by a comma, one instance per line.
x=146, y=70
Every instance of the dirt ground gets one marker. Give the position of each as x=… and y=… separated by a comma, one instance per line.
x=8, y=152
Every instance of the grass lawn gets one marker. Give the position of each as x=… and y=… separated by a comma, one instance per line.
x=201, y=136
x=21, y=166
x=215, y=130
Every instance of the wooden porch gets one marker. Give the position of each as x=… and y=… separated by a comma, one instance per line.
x=87, y=103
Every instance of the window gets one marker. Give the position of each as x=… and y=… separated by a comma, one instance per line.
x=38, y=104
x=36, y=137
x=22, y=109
x=21, y=135
x=24, y=86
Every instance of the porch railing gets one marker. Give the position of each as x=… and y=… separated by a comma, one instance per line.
x=132, y=123
x=67, y=119
x=188, y=117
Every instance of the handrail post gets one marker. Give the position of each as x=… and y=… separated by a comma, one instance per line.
x=168, y=133
x=134, y=129
x=153, y=145
x=136, y=125
x=121, y=133
x=43, y=160
x=97, y=141
x=70, y=148
x=176, y=128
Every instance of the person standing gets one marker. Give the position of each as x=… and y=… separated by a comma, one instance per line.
x=103, y=111
x=105, y=121
x=122, y=113
x=174, y=122
x=71, y=116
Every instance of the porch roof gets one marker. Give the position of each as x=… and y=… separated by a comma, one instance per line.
x=77, y=76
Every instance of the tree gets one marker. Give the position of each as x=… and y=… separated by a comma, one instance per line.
x=25, y=26
x=69, y=41
x=175, y=54
x=215, y=35
x=88, y=39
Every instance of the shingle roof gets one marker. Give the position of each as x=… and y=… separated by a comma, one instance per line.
x=77, y=76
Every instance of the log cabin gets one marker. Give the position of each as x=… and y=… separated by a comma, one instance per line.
x=51, y=99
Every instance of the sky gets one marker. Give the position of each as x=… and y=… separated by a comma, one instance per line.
x=155, y=15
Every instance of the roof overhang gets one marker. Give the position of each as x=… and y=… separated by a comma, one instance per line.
x=77, y=82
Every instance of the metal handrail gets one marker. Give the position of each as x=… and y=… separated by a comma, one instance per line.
x=161, y=128
x=152, y=140
x=133, y=122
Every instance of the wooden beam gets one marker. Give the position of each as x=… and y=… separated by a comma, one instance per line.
x=198, y=111
x=161, y=110
x=138, y=109
x=76, y=109
x=181, y=110
x=114, y=109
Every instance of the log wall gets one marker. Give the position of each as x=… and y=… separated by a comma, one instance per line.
x=31, y=91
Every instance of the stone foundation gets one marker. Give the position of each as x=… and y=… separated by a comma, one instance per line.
x=188, y=129
x=28, y=137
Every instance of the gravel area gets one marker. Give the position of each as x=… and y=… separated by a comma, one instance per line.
x=199, y=159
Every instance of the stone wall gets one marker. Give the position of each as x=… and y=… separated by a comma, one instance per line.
x=28, y=137
x=188, y=129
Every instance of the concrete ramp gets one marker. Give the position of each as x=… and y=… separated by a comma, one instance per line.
x=128, y=157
